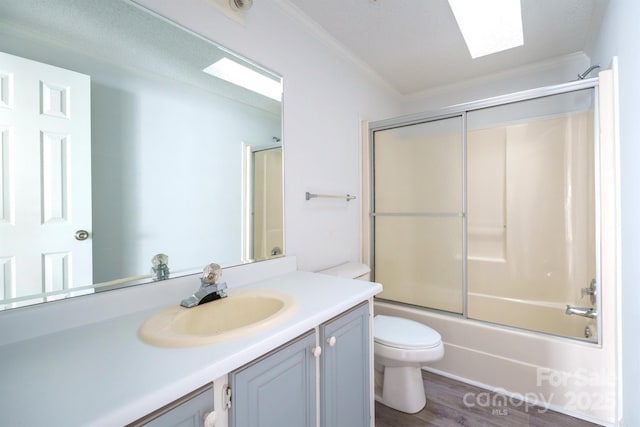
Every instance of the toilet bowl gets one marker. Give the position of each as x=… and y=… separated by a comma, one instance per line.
x=401, y=348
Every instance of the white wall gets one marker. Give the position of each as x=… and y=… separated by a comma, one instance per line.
x=618, y=37
x=326, y=96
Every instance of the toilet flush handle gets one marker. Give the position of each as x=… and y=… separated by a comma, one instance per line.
x=331, y=341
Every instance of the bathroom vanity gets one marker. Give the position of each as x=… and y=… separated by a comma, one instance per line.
x=97, y=371
x=280, y=388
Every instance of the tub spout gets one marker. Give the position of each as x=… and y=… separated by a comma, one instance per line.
x=582, y=311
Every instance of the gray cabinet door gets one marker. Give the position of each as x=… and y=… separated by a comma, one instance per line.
x=345, y=369
x=277, y=390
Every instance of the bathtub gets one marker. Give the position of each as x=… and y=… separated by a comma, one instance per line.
x=544, y=316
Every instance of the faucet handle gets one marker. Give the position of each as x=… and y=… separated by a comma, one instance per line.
x=211, y=273
x=591, y=291
x=160, y=267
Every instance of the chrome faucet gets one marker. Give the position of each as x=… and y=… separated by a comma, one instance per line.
x=209, y=290
x=582, y=311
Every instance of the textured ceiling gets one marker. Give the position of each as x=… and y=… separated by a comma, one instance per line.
x=415, y=45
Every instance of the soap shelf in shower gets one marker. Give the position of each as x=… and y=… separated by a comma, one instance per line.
x=309, y=196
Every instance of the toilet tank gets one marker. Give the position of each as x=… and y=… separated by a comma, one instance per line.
x=349, y=270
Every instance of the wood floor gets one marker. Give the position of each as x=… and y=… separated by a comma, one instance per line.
x=446, y=408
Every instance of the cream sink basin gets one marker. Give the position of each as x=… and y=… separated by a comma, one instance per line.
x=242, y=313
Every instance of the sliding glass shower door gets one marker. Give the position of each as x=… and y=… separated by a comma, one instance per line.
x=419, y=213
x=492, y=213
x=532, y=213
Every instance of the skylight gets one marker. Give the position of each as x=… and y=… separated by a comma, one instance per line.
x=489, y=26
x=238, y=74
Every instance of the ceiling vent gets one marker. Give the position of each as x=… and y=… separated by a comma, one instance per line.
x=241, y=4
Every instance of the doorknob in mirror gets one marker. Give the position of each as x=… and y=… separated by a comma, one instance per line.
x=82, y=235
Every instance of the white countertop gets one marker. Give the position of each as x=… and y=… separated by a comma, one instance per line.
x=103, y=374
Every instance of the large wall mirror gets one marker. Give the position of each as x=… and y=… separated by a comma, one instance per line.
x=123, y=137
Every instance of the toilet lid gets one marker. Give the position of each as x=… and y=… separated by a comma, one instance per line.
x=404, y=333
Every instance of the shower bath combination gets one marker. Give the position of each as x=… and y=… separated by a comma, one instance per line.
x=491, y=213
x=502, y=214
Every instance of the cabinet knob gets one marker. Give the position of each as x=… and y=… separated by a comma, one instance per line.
x=317, y=351
x=210, y=419
x=331, y=341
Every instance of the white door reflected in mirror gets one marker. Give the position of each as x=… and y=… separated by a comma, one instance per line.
x=45, y=136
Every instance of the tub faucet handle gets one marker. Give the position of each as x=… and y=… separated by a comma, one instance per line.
x=591, y=291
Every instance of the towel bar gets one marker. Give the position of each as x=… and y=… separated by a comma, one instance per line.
x=309, y=196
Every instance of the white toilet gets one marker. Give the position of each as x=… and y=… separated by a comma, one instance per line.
x=401, y=348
